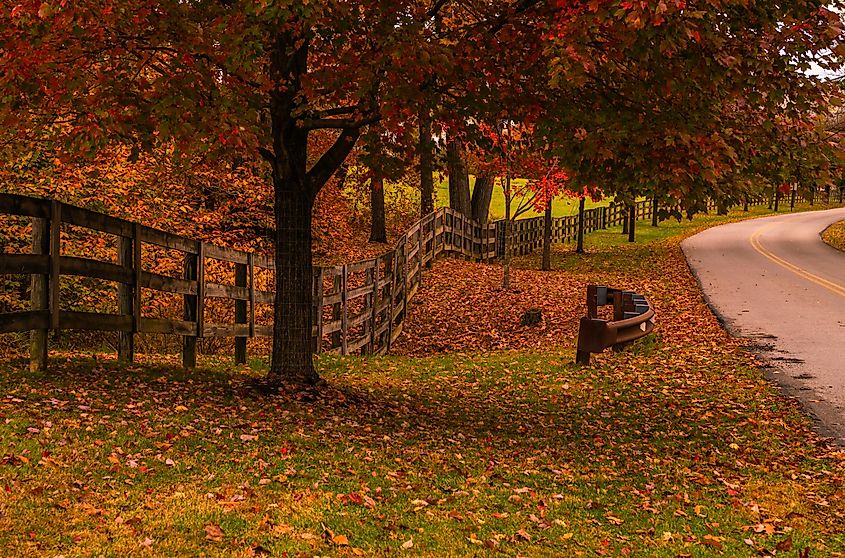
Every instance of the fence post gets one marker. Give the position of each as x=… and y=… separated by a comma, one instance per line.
x=318, y=309
x=337, y=288
x=241, y=271
x=390, y=268
x=40, y=296
x=344, y=314
x=420, y=248
x=250, y=262
x=374, y=299
x=126, y=295
x=55, y=258
x=405, y=277
x=193, y=305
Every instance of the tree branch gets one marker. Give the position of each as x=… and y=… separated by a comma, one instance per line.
x=267, y=155
x=337, y=111
x=337, y=123
x=331, y=160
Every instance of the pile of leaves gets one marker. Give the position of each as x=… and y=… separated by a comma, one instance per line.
x=835, y=235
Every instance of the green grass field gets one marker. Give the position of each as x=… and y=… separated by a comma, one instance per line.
x=561, y=207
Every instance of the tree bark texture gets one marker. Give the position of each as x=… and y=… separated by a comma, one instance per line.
x=547, y=237
x=482, y=195
x=579, y=247
x=426, y=154
x=378, y=229
x=459, y=197
x=654, y=209
x=295, y=190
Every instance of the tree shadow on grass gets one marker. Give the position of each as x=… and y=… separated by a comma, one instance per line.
x=430, y=414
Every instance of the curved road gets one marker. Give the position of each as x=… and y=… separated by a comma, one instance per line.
x=774, y=281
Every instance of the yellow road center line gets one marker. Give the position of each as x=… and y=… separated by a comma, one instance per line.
x=797, y=270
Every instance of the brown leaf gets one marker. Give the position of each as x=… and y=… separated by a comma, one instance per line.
x=785, y=545
x=213, y=532
x=711, y=541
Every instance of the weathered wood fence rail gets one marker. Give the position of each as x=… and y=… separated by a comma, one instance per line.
x=358, y=307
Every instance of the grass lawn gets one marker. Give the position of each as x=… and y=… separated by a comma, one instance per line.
x=835, y=235
x=676, y=447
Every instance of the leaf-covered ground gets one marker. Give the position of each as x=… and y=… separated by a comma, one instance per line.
x=676, y=447
x=835, y=235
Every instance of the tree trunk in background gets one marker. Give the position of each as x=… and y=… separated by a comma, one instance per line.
x=632, y=225
x=426, y=154
x=579, y=247
x=506, y=265
x=626, y=219
x=482, y=195
x=654, y=208
x=745, y=203
x=459, y=198
x=827, y=194
x=777, y=200
x=547, y=237
x=378, y=230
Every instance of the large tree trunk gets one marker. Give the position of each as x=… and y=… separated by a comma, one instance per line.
x=426, y=148
x=293, y=313
x=378, y=230
x=547, y=237
x=482, y=195
x=295, y=189
x=459, y=198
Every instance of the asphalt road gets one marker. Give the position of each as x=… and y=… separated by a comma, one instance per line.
x=772, y=280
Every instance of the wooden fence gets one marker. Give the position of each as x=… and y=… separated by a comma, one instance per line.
x=358, y=307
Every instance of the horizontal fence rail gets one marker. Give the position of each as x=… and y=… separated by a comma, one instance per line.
x=359, y=307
